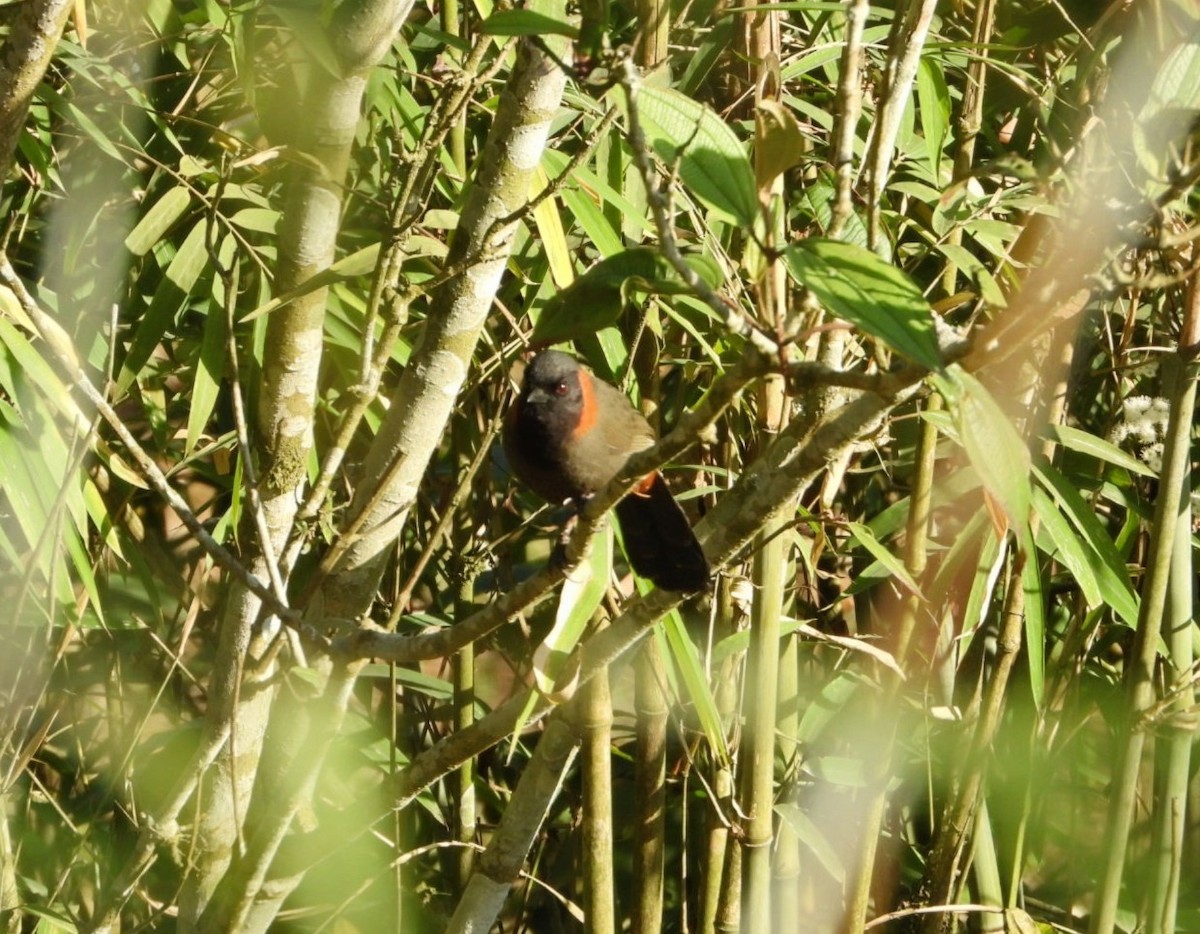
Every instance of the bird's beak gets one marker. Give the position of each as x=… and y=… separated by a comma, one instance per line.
x=538, y=397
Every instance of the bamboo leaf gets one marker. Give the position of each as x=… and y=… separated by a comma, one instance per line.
x=526, y=23
x=210, y=368
x=857, y=286
x=686, y=661
x=596, y=299
x=553, y=237
x=158, y=220
x=998, y=454
x=1086, y=443
x=865, y=537
x=1112, y=577
x=712, y=160
x=812, y=837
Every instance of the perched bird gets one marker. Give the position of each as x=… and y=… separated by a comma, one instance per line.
x=566, y=437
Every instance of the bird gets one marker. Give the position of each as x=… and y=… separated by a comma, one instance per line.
x=568, y=434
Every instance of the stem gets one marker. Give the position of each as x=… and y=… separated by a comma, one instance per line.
x=596, y=764
x=651, y=764
x=1180, y=383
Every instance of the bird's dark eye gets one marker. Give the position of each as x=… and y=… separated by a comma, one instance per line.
x=560, y=389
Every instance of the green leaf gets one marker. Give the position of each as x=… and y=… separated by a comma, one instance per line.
x=158, y=220
x=779, y=143
x=551, y=233
x=857, y=286
x=1086, y=443
x=880, y=552
x=210, y=367
x=996, y=451
x=526, y=23
x=179, y=279
x=358, y=263
x=1112, y=577
x=596, y=299
x=581, y=595
x=1067, y=547
x=686, y=659
x=712, y=160
x=933, y=99
x=812, y=837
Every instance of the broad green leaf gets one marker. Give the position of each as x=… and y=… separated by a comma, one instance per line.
x=597, y=298
x=180, y=277
x=833, y=698
x=590, y=218
x=358, y=263
x=1067, y=546
x=884, y=556
x=838, y=770
x=261, y=220
x=778, y=142
x=712, y=160
x=856, y=285
x=158, y=220
x=210, y=367
x=1112, y=577
x=1086, y=443
x=998, y=454
x=550, y=231
x=581, y=594
x=526, y=23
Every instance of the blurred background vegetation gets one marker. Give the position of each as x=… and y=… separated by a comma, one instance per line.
x=924, y=272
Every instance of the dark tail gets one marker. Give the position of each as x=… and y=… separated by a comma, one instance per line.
x=659, y=539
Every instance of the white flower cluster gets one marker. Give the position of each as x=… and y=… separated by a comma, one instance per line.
x=1143, y=426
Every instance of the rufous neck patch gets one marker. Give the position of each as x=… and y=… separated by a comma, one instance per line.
x=588, y=409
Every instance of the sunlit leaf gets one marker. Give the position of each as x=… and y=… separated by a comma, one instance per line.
x=158, y=220
x=526, y=23
x=859, y=287
x=712, y=160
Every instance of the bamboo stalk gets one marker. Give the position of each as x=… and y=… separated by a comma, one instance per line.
x=1180, y=388
x=651, y=795
x=596, y=718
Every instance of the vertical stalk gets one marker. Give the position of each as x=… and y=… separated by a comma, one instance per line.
x=970, y=111
x=596, y=764
x=1171, y=806
x=757, y=759
x=499, y=866
x=1179, y=380
x=943, y=872
x=719, y=895
x=915, y=561
x=986, y=870
x=909, y=32
x=786, y=888
x=452, y=26
x=757, y=791
x=463, y=666
x=849, y=109
x=651, y=708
